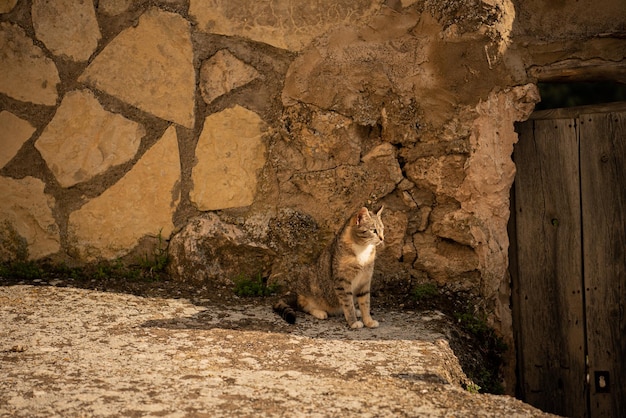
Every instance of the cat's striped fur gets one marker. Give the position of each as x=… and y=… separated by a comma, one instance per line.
x=341, y=276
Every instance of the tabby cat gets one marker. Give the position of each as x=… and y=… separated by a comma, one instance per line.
x=342, y=274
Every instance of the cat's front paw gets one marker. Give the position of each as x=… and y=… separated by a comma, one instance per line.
x=372, y=323
x=356, y=325
x=319, y=314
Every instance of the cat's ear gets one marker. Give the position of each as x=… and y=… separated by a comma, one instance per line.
x=362, y=214
x=380, y=211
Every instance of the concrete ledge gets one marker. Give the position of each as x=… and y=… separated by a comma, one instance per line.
x=75, y=352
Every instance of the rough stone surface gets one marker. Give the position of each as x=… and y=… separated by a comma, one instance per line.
x=67, y=27
x=230, y=153
x=214, y=250
x=150, y=66
x=448, y=263
x=222, y=73
x=356, y=70
x=440, y=174
x=181, y=357
x=27, y=74
x=336, y=192
x=485, y=190
x=329, y=140
x=211, y=250
x=26, y=218
x=84, y=140
x=284, y=25
x=141, y=203
x=14, y=131
x=396, y=223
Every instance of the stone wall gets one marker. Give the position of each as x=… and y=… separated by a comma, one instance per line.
x=245, y=133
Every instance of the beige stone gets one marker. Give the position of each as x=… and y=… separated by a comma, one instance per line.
x=150, y=66
x=458, y=226
x=14, y=131
x=84, y=140
x=222, y=73
x=230, y=153
x=141, y=203
x=7, y=5
x=445, y=261
x=67, y=27
x=283, y=24
x=485, y=190
x=27, y=74
x=26, y=210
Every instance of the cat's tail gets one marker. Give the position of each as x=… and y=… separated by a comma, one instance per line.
x=286, y=307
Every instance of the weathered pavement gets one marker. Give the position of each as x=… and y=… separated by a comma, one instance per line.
x=73, y=352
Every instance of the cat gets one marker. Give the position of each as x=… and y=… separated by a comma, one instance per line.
x=341, y=276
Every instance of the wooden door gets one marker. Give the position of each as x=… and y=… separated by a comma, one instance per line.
x=603, y=160
x=549, y=286
x=569, y=277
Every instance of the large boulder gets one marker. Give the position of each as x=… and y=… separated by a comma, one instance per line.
x=208, y=249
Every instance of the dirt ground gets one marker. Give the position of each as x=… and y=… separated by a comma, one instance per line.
x=165, y=350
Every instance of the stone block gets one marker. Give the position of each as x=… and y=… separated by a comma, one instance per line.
x=141, y=203
x=458, y=226
x=230, y=153
x=67, y=27
x=27, y=74
x=445, y=261
x=150, y=66
x=222, y=73
x=14, y=131
x=209, y=249
x=84, y=140
x=26, y=220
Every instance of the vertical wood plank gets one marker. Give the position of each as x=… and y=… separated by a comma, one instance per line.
x=603, y=186
x=549, y=292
